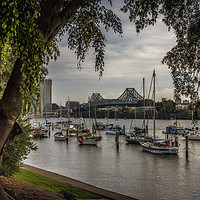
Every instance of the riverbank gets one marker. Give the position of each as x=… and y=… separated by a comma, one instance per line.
x=107, y=194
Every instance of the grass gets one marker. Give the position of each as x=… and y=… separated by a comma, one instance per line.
x=54, y=185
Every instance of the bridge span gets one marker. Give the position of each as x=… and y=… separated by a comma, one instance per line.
x=129, y=97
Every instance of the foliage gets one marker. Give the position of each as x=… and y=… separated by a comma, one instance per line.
x=17, y=151
x=19, y=27
x=7, y=58
x=183, y=16
x=168, y=108
x=84, y=30
x=19, y=31
x=53, y=185
x=148, y=102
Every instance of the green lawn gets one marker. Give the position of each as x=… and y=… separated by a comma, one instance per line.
x=53, y=185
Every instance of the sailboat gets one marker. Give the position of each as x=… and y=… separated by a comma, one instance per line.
x=159, y=146
x=137, y=135
x=89, y=138
x=176, y=129
x=194, y=135
x=59, y=136
x=111, y=129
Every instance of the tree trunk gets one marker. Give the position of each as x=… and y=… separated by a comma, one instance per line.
x=3, y=195
x=51, y=20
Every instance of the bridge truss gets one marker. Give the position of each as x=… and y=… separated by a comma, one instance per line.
x=129, y=97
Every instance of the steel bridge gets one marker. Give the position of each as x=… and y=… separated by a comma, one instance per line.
x=129, y=97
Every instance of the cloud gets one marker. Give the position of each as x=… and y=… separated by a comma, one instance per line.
x=128, y=59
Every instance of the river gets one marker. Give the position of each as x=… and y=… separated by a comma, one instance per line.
x=130, y=170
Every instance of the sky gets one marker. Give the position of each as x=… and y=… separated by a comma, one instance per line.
x=128, y=60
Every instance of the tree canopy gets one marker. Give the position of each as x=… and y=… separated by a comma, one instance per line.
x=183, y=16
x=32, y=29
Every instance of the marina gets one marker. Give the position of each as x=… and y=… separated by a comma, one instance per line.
x=127, y=170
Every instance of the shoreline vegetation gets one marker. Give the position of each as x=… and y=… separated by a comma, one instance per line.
x=29, y=185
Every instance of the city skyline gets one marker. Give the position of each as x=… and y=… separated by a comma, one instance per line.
x=128, y=60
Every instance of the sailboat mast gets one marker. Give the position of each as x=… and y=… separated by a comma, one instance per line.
x=89, y=110
x=144, y=102
x=154, y=105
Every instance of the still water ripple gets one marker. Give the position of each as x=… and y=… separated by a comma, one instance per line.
x=129, y=171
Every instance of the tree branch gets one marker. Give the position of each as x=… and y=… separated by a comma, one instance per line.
x=54, y=16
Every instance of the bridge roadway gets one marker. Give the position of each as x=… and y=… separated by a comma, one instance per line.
x=129, y=97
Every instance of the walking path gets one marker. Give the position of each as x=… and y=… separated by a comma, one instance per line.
x=64, y=179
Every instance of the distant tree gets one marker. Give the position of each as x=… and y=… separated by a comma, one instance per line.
x=168, y=109
x=148, y=102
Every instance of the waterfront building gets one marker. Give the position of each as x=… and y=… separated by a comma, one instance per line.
x=45, y=99
x=70, y=105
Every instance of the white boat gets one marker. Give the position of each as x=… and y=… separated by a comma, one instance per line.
x=100, y=125
x=59, y=136
x=136, y=134
x=159, y=146
x=77, y=128
x=39, y=133
x=176, y=130
x=194, y=136
x=89, y=138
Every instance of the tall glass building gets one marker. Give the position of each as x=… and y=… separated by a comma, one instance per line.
x=45, y=99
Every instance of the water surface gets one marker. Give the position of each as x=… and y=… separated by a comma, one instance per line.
x=129, y=170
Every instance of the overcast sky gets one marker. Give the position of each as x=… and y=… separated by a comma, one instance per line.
x=128, y=59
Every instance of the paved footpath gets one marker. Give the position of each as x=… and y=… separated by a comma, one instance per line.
x=64, y=179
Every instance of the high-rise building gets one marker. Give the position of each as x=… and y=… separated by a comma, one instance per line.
x=45, y=99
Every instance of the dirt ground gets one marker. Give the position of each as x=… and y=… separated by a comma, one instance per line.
x=25, y=191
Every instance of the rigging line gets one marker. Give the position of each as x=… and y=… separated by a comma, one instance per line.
x=182, y=150
x=133, y=146
x=158, y=86
x=148, y=97
x=141, y=88
x=85, y=123
x=188, y=160
x=193, y=153
x=131, y=125
x=183, y=158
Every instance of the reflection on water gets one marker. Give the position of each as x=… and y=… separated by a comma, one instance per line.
x=129, y=171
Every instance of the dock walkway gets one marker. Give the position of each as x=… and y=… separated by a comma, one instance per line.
x=64, y=179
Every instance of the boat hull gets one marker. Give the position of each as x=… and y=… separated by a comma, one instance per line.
x=159, y=150
x=88, y=141
x=113, y=132
x=194, y=137
x=60, y=138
